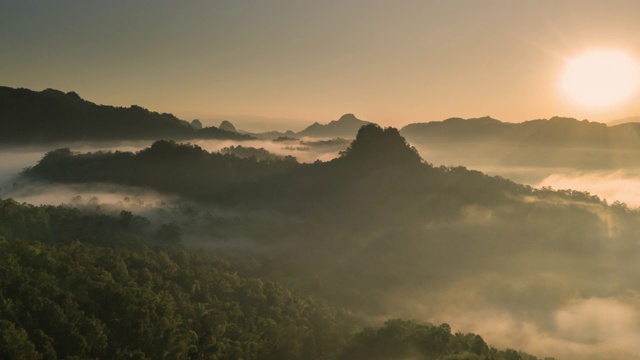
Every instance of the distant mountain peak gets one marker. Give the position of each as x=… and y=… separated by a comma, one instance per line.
x=345, y=127
x=564, y=119
x=348, y=117
x=625, y=120
x=227, y=125
x=479, y=120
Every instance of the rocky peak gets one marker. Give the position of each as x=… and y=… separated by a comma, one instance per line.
x=227, y=126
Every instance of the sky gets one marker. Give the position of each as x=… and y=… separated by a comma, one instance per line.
x=282, y=64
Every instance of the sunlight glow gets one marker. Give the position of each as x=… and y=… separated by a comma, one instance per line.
x=601, y=78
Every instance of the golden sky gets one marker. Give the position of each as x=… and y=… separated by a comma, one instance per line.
x=298, y=61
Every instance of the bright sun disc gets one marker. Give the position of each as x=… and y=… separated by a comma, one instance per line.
x=601, y=78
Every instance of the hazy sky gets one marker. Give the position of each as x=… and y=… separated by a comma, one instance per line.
x=393, y=62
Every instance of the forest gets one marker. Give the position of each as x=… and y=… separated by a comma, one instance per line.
x=77, y=285
x=381, y=233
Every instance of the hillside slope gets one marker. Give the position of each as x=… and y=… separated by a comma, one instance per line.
x=30, y=117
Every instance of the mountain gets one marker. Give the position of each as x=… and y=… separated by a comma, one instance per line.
x=346, y=127
x=227, y=126
x=196, y=124
x=625, y=120
x=555, y=142
x=382, y=232
x=555, y=131
x=50, y=115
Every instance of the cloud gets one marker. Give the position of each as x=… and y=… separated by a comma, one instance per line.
x=619, y=185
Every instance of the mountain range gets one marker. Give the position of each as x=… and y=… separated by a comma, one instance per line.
x=556, y=142
x=557, y=131
x=345, y=127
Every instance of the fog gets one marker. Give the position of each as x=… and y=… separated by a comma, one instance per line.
x=305, y=150
x=617, y=182
x=14, y=159
x=562, y=283
x=564, y=287
x=567, y=290
x=620, y=185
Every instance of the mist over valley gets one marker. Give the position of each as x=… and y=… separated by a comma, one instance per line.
x=320, y=180
x=381, y=229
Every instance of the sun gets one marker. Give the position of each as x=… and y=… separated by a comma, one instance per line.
x=601, y=78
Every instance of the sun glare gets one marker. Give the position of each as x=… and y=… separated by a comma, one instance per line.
x=601, y=78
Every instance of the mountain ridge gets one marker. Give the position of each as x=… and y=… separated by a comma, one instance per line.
x=50, y=115
x=556, y=131
x=346, y=127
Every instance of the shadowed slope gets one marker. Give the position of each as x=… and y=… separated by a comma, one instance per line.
x=50, y=115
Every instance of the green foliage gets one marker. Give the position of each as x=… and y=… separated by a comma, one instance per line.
x=401, y=339
x=84, y=301
x=62, y=224
x=14, y=343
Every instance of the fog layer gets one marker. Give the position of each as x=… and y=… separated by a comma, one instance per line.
x=551, y=273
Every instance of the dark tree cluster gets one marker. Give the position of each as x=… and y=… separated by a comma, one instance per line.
x=260, y=154
x=165, y=166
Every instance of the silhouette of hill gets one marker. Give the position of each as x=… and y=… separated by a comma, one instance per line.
x=260, y=154
x=556, y=142
x=227, y=126
x=346, y=127
x=28, y=116
x=625, y=120
x=196, y=124
x=557, y=131
x=200, y=174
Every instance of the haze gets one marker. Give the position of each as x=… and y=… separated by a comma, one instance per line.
x=448, y=162
x=295, y=62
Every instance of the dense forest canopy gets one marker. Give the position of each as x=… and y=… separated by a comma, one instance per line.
x=81, y=285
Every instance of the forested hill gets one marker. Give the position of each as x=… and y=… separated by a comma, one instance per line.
x=345, y=127
x=76, y=285
x=380, y=231
x=90, y=286
x=378, y=165
x=557, y=131
x=29, y=117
